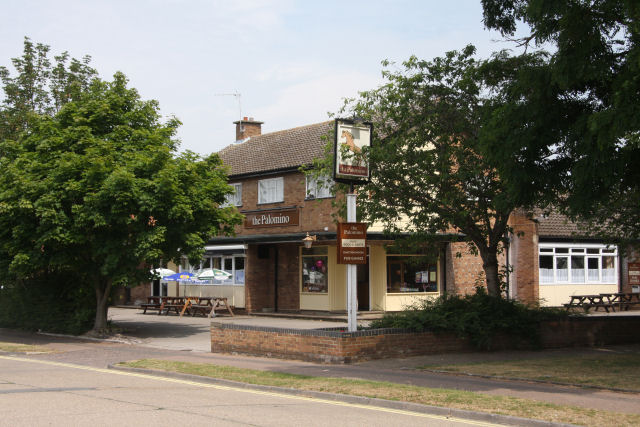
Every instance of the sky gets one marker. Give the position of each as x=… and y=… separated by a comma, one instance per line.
x=292, y=61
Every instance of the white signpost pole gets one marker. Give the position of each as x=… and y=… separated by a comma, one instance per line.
x=352, y=291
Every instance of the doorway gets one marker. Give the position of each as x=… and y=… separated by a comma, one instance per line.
x=363, y=286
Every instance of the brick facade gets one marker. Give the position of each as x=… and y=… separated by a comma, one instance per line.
x=315, y=214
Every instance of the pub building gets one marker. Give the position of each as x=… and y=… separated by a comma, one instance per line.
x=272, y=269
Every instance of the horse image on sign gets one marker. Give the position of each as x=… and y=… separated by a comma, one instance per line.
x=351, y=139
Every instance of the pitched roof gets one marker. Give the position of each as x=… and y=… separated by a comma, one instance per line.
x=555, y=224
x=277, y=150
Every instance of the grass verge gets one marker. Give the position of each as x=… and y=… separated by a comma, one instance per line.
x=437, y=397
x=609, y=370
x=9, y=347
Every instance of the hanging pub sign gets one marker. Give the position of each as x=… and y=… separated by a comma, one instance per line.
x=352, y=243
x=352, y=140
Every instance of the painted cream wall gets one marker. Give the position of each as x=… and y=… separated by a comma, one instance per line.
x=377, y=276
x=557, y=295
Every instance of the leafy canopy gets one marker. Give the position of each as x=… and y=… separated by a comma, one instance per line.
x=428, y=175
x=577, y=113
x=97, y=188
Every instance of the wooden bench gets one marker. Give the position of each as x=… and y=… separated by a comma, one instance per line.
x=153, y=303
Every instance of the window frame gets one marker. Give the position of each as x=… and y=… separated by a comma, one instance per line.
x=279, y=189
x=322, y=252
x=234, y=199
x=402, y=262
x=311, y=188
x=585, y=250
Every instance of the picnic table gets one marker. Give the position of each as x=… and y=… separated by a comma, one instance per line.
x=587, y=302
x=608, y=301
x=205, y=306
x=189, y=305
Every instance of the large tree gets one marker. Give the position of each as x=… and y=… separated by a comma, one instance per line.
x=428, y=176
x=577, y=113
x=97, y=188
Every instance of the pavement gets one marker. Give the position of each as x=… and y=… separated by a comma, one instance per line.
x=187, y=339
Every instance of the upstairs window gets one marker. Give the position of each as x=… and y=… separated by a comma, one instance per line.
x=234, y=199
x=271, y=190
x=319, y=187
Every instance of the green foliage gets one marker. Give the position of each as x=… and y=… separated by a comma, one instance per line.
x=39, y=87
x=50, y=303
x=576, y=112
x=98, y=189
x=478, y=317
x=428, y=177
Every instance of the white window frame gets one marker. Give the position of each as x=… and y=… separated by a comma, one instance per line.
x=206, y=263
x=577, y=249
x=275, y=184
x=315, y=192
x=234, y=199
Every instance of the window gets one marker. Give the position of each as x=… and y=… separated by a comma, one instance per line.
x=319, y=187
x=270, y=190
x=406, y=274
x=566, y=263
x=315, y=270
x=232, y=264
x=234, y=199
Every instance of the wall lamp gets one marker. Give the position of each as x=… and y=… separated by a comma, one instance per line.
x=308, y=241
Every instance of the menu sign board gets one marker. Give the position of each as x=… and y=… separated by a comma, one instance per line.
x=352, y=139
x=352, y=243
x=634, y=273
x=272, y=218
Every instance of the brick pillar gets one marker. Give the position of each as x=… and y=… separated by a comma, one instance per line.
x=523, y=257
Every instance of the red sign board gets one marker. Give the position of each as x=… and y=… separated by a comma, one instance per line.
x=352, y=243
x=634, y=273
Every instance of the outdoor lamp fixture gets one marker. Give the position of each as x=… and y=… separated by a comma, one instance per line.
x=308, y=241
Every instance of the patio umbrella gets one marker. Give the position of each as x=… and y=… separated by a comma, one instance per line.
x=213, y=273
x=161, y=272
x=184, y=276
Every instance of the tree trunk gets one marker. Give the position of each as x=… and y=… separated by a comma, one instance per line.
x=102, y=288
x=490, y=266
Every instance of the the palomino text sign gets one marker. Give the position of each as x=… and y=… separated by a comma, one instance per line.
x=352, y=243
x=274, y=218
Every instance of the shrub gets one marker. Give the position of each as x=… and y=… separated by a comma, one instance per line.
x=51, y=303
x=478, y=317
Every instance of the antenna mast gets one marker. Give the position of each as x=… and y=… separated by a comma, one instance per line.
x=237, y=95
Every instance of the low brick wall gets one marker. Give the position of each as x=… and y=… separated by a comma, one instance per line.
x=334, y=346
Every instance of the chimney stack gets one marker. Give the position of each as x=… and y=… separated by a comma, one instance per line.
x=247, y=127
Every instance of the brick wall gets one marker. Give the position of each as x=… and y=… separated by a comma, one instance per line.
x=260, y=277
x=330, y=346
x=631, y=256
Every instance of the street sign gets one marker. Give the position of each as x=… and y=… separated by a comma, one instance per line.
x=352, y=243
